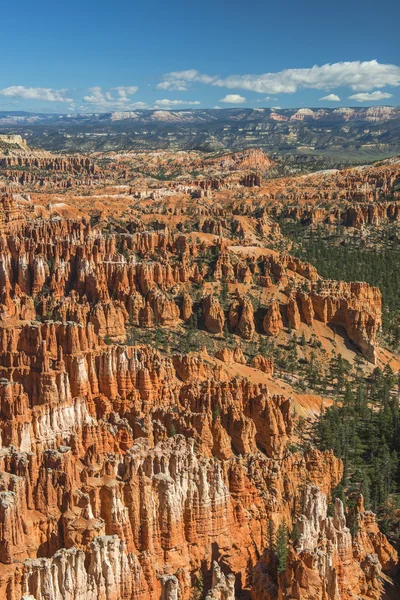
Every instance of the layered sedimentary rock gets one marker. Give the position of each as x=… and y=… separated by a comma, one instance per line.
x=92, y=452
x=130, y=472
x=119, y=280
x=87, y=445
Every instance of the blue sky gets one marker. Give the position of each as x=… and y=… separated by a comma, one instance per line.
x=98, y=56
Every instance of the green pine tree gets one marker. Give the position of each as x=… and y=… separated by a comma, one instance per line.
x=282, y=546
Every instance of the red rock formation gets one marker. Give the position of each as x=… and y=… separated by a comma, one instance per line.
x=322, y=563
x=293, y=313
x=253, y=158
x=306, y=307
x=368, y=540
x=273, y=319
x=10, y=214
x=187, y=307
x=241, y=318
x=214, y=318
x=355, y=306
x=264, y=364
x=126, y=471
x=223, y=586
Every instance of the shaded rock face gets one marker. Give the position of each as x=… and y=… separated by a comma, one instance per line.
x=125, y=505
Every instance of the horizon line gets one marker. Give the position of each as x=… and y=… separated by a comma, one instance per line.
x=144, y=110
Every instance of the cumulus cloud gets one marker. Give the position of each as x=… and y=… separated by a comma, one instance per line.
x=357, y=75
x=117, y=98
x=373, y=96
x=165, y=103
x=36, y=93
x=331, y=98
x=233, y=99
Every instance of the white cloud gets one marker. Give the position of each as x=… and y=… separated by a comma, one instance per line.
x=35, y=93
x=373, y=96
x=108, y=101
x=165, y=103
x=179, y=85
x=96, y=96
x=179, y=80
x=126, y=90
x=233, y=99
x=331, y=98
x=139, y=105
x=357, y=75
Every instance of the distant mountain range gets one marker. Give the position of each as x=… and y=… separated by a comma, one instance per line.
x=339, y=135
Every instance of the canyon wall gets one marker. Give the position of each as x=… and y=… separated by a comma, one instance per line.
x=131, y=471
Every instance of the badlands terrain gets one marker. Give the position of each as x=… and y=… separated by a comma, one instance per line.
x=167, y=361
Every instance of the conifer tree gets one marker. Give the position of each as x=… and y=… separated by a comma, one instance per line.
x=282, y=546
